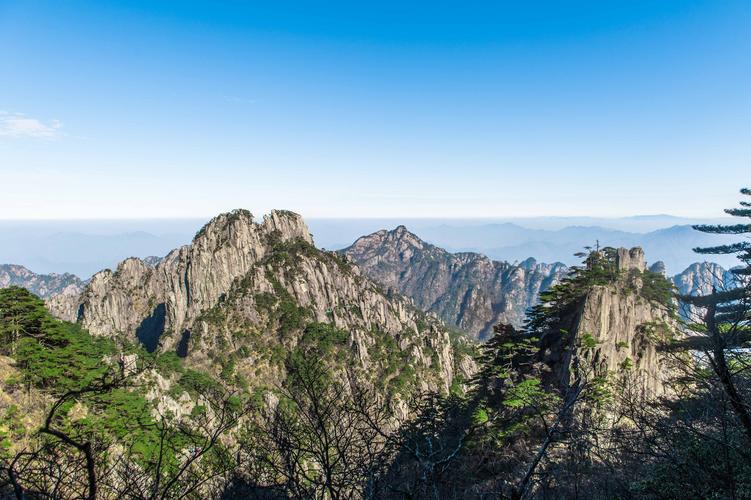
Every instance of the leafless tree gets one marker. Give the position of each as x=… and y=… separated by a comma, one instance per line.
x=323, y=438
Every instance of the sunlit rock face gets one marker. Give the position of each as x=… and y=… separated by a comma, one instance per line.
x=700, y=279
x=614, y=331
x=186, y=281
x=237, y=285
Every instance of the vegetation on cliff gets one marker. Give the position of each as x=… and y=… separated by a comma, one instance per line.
x=99, y=433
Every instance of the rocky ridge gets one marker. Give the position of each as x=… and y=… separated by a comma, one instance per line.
x=699, y=279
x=467, y=290
x=243, y=292
x=43, y=285
x=473, y=293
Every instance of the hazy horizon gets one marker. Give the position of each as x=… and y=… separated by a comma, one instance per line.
x=395, y=217
x=84, y=247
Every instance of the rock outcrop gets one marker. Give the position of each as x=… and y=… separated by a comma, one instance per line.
x=658, y=267
x=699, y=278
x=43, y=285
x=628, y=259
x=243, y=291
x=188, y=280
x=615, y=329
x=467, y=290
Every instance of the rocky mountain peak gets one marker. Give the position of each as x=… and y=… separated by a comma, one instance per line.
x=238, y=225
x=405, y=238
x=43, y=285
x=400, y=230
x=467, y=290
x=189, y=279
x=614, y=329
x=701, y=278
x=627, y=259
x=243, y=284
x=289, y=225
x=659, y=267
x=528, y=264
x=401, y=243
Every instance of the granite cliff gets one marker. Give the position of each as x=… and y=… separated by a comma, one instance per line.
x=610, y=321
x=242, y=293
x=699, y=279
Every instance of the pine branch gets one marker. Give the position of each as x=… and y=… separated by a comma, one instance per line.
x=725, y=249
x=721, y=229
x=738, y=212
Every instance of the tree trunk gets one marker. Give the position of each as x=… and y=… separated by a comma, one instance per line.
x=723, y=372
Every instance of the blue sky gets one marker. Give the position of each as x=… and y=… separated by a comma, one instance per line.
x=442, y=109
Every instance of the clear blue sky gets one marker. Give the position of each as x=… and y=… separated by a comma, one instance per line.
x=149, y=109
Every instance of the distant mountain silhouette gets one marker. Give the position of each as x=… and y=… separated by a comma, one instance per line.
x=84, y=247
x=510, y=242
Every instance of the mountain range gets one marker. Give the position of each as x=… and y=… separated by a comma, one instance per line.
x=673, y=245
x=469, y=291
x=245, y=287
x=43, y=285
x=472, y=292
x=85, y=247
x=254, y=338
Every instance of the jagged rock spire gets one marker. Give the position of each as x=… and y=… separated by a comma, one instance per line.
x=631, y=259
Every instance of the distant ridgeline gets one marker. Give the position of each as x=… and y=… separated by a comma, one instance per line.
x=43, y=285
x=468, y=291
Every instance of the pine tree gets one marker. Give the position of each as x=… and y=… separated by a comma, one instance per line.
x=742, y=250
x=726, y=323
